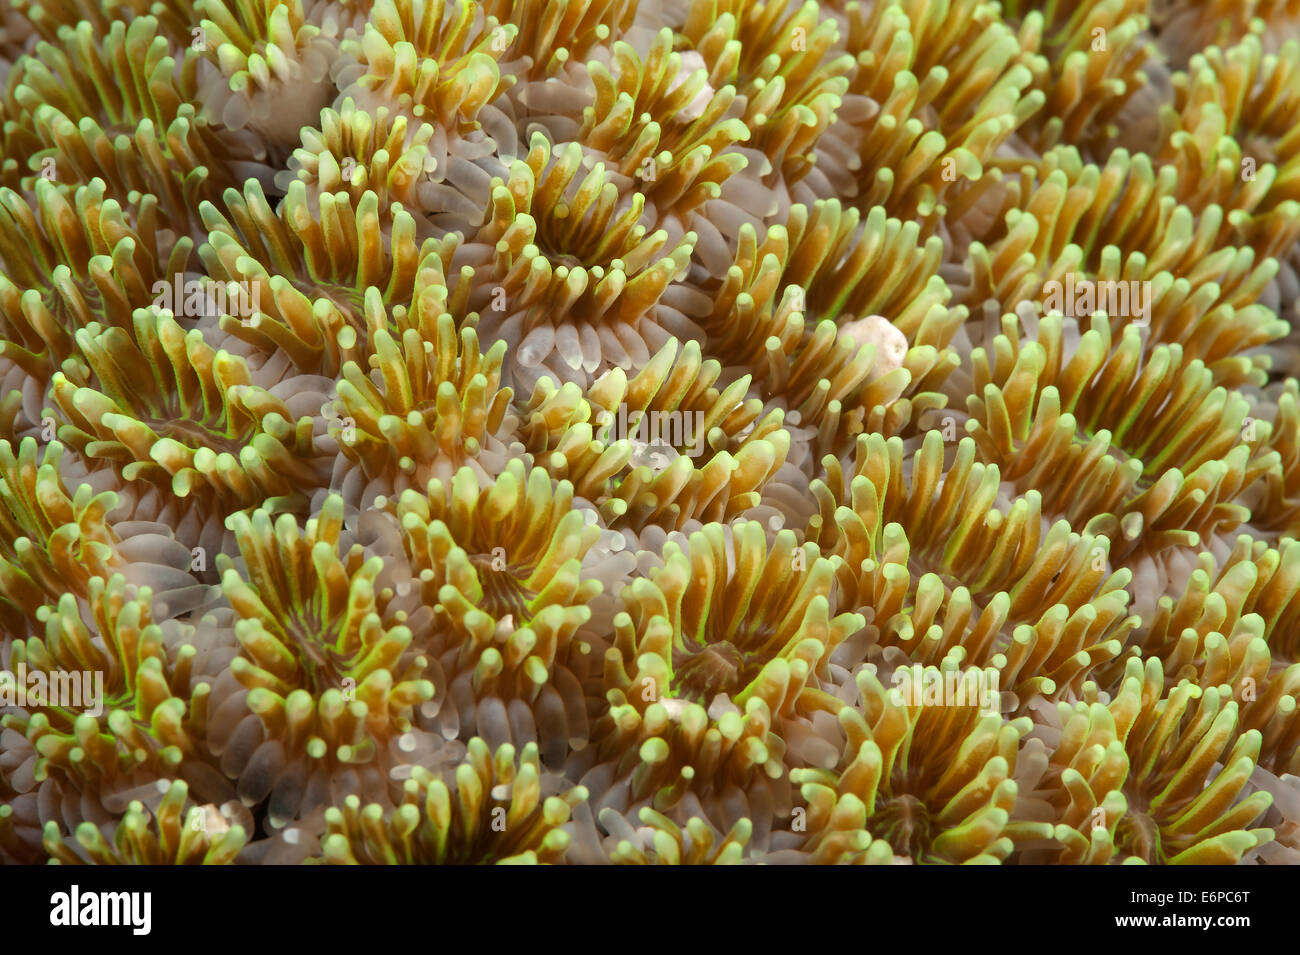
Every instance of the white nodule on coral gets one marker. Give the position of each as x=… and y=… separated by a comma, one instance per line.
x=214, y=823
x=674, y=708
x=721, y=706
x=891, y=344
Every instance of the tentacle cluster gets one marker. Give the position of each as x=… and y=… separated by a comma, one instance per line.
x=681, y=432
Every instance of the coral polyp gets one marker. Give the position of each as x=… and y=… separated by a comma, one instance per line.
x=934, y=784
x=496, y=813
x=681, y=433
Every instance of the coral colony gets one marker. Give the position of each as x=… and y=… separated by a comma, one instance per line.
x=697, y=431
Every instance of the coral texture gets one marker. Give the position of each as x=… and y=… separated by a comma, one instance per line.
x=687, y=432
